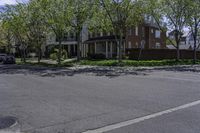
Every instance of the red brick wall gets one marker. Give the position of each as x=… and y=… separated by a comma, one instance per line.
x=149, y=37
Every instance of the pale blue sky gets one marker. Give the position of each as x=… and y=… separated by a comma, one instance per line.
x=3, y=2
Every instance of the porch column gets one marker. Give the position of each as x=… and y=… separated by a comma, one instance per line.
x=87, y=49
x=106, y=49
x=95, y=48
x=111, y=49
x=82, y=50
x=124, y=48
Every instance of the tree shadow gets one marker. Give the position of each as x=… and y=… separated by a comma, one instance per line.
x=110, y=72
x=194, y=68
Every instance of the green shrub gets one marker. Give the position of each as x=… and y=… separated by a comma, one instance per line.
x=136, y=63
x=53, y=56
x=64, y=54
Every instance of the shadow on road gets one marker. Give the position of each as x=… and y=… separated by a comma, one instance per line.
x=52, y=72
x=195, y=69
x=110, y=72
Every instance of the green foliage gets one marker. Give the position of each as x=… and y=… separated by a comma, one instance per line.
x=136, y=63
x=118, y=15
x=64, y=54
x=53, y=56
x=56, y=16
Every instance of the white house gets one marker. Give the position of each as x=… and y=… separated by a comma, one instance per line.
x=69, y=42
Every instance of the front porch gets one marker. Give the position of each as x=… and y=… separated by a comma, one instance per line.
x=70, y=48
x=106, y=46
x=109, y=49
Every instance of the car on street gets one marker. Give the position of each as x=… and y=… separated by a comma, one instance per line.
x=7, y=59
x=2, y=57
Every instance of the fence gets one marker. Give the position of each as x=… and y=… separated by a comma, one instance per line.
x=159, y=54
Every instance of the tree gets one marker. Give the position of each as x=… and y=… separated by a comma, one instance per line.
x=118, y=15
x=171, y=14
x=81, y=14
x=193, y=12
x=13, y=19
x=56, y=14
x=36, y=26
x=5, y=37
x=176, y=15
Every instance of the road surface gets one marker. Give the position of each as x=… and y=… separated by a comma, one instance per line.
x=77, y=100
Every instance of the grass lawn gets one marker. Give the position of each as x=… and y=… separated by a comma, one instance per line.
x=133, y=63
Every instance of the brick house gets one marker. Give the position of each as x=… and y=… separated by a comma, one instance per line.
x=146, y=36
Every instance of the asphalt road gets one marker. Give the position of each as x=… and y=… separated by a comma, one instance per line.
x=74, y=101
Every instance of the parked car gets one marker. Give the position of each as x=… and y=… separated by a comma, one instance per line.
x=2, y=57
x=7, y=59
x=10, y=59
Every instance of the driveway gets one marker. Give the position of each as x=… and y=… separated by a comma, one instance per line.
x=75, y=100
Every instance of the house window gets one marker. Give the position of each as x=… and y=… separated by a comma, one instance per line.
x=157, y=34
x=130, y=32
x=101, y=33
x=157, y=45
x=154, y=21
x=136, y=30
x=143, y=32
x=98, y=34
x=136, y=45
x=71, y=35
x=105, y=33
x=93, y=34
x=89, y=35
x=129, y=44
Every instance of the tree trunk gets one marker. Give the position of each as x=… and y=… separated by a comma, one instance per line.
x=78, y=47
x=195, y=52
x=59, y=52
x=120, y=48
x=195, y=42
x=178, y=53
x=140, y=53
x=24, y=55
x=9, y=48
x=177, y=45
x=39, y=55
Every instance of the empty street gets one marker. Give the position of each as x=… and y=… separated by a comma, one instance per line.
x=102, y=99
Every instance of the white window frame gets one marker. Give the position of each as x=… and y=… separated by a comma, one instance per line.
x=130, y=32
x=157, y=46
x=129, y=44
x=157, y=34
x=137, y=45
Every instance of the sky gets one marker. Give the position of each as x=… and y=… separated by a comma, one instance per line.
x=3, y=2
